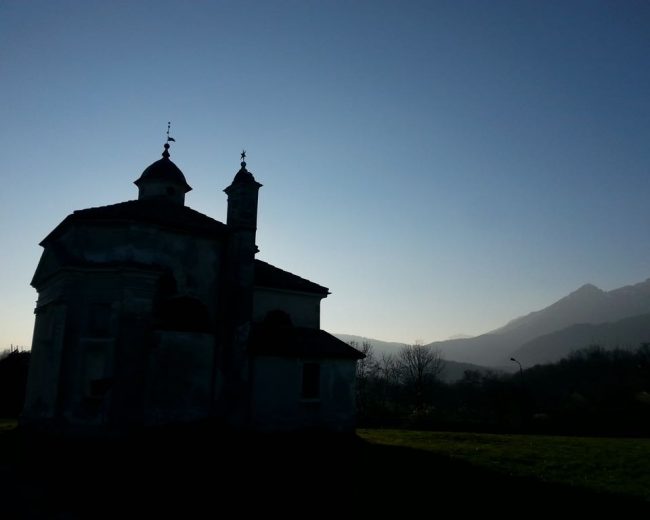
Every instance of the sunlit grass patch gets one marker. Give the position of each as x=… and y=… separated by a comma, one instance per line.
x=7, y=424
x=616, y=465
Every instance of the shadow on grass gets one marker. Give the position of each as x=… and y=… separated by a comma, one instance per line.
x=198, y=472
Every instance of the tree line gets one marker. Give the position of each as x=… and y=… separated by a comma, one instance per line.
x=592, y=391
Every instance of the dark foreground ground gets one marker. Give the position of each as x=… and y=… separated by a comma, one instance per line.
x=198, y=473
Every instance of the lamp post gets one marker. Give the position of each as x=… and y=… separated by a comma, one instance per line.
x=521, y=371
x=522, y=396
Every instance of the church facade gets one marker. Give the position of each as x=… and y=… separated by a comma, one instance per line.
x=149, y=313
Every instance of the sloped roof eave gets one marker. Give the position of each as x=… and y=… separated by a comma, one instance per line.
x=292, y=291
x=299, y=342
x=271, y=277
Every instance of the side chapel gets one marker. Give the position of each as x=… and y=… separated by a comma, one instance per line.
x=149, y=313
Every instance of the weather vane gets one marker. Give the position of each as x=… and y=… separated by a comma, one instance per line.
x=169, y=124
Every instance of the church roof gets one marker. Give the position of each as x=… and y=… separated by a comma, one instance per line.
x=267, y=275
x=149, y=211
x=304, y=342
x=186, y=220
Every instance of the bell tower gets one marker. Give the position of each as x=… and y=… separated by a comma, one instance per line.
x=242, y=200
x=242, y=224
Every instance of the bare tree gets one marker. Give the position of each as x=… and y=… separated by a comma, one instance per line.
x=366, y=375
x=419, y=366
x=366, y=367
x=387, y=388
x=388, y=368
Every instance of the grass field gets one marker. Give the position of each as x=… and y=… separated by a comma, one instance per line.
x=10, y=450
x=615, y=465
x=383, y=473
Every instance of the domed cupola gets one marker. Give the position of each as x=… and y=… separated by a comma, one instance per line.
x=163, y=180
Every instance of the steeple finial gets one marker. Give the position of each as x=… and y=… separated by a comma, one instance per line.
x=165, y=154
x=243, y=158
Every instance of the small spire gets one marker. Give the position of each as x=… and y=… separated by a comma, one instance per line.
x=165, y=154
x=243, y=158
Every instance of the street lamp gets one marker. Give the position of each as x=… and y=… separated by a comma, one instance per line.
x=522, y=395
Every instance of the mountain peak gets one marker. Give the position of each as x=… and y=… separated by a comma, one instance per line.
x=587, y=289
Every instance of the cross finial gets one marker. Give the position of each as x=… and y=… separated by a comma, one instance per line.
x=243, y=158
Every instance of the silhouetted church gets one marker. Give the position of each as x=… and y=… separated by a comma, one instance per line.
x=149, y=312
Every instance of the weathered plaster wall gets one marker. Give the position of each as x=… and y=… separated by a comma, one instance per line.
x=179, y=377
x=195, y=261
x=303, y=308
x=45, y=363
x=95, y=324
x=276, y=399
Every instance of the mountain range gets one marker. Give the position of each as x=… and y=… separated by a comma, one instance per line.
x=587, y=316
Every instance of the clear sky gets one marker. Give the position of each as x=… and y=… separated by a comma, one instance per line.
x=441, y=166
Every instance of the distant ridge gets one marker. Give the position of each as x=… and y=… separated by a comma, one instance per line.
x=460, y=336
x=379, y=346
x=625, y=333
x=453, y=370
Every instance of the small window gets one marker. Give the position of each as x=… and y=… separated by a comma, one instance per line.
x=95, y=375
x=310, y=381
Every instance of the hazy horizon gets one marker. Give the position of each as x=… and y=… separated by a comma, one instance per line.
x=442, y=167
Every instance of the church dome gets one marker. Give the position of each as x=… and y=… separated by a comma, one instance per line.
x=163, y=180
x=164, y=171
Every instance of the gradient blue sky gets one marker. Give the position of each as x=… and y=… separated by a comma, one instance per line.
x=441, y=166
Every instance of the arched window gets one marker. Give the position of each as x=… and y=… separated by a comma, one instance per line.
x=277, y=319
